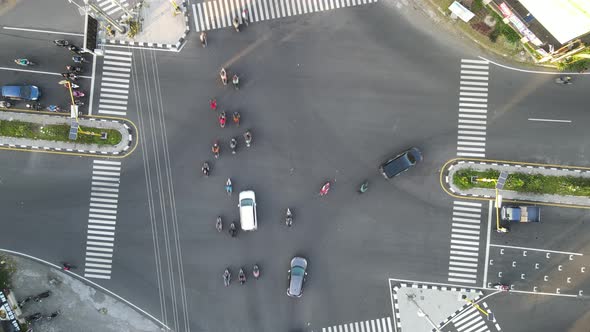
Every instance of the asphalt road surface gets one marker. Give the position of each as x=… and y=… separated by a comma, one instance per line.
x=328, y=97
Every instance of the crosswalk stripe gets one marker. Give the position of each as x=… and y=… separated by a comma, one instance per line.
x=104, y=222
x=115, y=57
x=468, y=248
x=109, y=51
x=471, y=138
x=112, y=79
x=475, y=67
x=106, y=162
x=465, y=231
x=461, y=225
x=474, y=244
x=467, y=203
x=111, y=73
x=471, y=143
x=475, y=155
x=110, y=101
x=461, y=258
x=116, y=69
x=463, y=275
x=472, y=116
x=474, y=61
x=474, y=83
x=117, y=63
x=464, y=207
x=113, y=112
x=112, y=107
x=464, y=253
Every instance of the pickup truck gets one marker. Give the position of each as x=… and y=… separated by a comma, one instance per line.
x=522, y=213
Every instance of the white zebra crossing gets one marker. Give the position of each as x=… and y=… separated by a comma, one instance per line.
x=102, y=216
x=465, y=236
x=218, y=14
x=114, y=87
x=111, y=8
x=473, y=103
x=374, y=325
x=470, y=320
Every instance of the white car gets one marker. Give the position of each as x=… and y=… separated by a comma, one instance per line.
x=247, y=207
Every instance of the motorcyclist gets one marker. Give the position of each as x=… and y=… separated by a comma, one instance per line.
x=233, y=230
x=256, y=271
x=205, y=169
x=219, y=224
x=203, y=38
x=248, y=138
x=228, y=187
x=74, y=49
x=236, y=23
x=78, y=59
x=242, y=276
x=236, y=117
x=215, y=149
x=213, y=104
x=223, y=75
x=76, y=69
x=23, y=62
x=364, y=187
x=222, y=119
x=226, y=277
x=61, y=42
x=245, y=16
x=233, y=144
x=236, y=81
x=289, y=217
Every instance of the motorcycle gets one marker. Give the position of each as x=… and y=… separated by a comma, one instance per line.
x=364, y=187
x=228, y=187
x=223, y=75
x=61, y=42
x=67, y=266
x=256, y=271
x=501, y=287
x=564, y=80
x=325, y=189
x=78, y=102
x=222, y=119
x=219, y=224
x=245, y=16
x=53, y=315
x=226, y=277
x=79, y=59
x=242, y=276
x=71, y=76
x=233, y=230
x=248, y=138
x=40, y=297
x=5, y=104
x=24, y=62
x=203, y=38
x=77, y=93
x=233, y=144
x=75, y=69
x=236, y=82
x=34, y=317
x=25, y=300
x=67, y=84
x=289, y=218
x=34, y=106
x=236, y=118
x=205, y=169
x=236, y=23
x=53, y=108
x=215, y=150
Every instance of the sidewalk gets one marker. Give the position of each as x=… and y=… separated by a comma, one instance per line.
x=82, y=307
x=160, y=27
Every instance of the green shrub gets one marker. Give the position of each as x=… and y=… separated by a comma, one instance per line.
x=526, y=183
x=7, y=269
x=58, y=133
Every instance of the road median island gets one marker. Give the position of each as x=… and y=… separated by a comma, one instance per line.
x=49, y=132
x=526, y=182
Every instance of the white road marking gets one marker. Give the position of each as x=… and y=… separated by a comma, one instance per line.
x=550, y=120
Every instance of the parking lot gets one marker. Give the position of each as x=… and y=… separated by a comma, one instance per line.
x=550, y=256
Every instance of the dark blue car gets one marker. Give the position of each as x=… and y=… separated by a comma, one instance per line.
x=400, y=163
x=21, y=92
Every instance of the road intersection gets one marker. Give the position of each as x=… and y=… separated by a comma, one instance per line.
x=328, y=97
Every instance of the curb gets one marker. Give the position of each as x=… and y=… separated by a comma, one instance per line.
x=169, y=47
x=127, y=150
x=496, y=164
x=395, y=288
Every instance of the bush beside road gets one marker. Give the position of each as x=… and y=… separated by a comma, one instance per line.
x=58, y=133
x=525, y=183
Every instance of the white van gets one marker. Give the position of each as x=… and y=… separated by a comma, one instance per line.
x=248, y=210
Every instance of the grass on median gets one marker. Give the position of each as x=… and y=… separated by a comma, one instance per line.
x=20, y=129
x=525, y=183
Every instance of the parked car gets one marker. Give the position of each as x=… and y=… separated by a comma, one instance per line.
x=247, y=207
x=21, y=92
x=400, y=163
x=297, y=275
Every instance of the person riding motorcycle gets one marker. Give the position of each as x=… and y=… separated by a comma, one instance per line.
x=248, y=138
x=236, y=118
x=236, y=23
x=233, y=144
x=242, y=276
x=226, y=277
x=222, y=119
x=223, y=75
x=236, y=81
x=233, y=229
x=215, y=149
x=76, y=69
x=205, y=169
x=23, y=62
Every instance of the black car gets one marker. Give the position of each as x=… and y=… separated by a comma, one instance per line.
x=400, y=163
